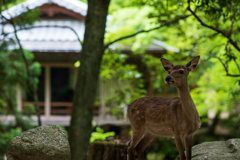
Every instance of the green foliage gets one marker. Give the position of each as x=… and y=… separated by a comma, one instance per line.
x=124, y=76
x=13, y=71
x=6, y=137
x=85, y=1
x=121, y=97
x=3, y=106
x=215, y=90
x=28, y=18
x=9, y=131
x=127, y=20
x=219, y=9
x=155, y=156
x=5, y=4
x=112, y=67
x=100, y=135
x=163, y=148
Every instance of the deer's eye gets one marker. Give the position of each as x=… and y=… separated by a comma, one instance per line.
x=181, y=71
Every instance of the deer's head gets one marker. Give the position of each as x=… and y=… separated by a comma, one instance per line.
x=178, y=74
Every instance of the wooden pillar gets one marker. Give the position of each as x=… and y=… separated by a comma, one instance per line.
x=19, y=98
x=47, y=103
x=102, y=113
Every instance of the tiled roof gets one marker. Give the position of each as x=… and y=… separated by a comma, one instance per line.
x=74, y=5
x=51, y=39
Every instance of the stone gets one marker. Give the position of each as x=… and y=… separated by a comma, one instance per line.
x=217, y=150
x=48, y=142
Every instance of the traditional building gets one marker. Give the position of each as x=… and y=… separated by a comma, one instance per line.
x=54, y=40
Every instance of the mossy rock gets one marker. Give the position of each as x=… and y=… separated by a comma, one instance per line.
x=48, y=142
x=218, y=150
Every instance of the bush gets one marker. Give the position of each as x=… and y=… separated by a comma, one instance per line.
x=6, y=137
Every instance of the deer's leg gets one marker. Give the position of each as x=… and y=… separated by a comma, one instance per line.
x=188, y=146
x=136, y=137
x=180, y=147
x=142, y=145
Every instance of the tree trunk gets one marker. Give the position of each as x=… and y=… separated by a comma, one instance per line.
x=101, y=150
x=88, y=77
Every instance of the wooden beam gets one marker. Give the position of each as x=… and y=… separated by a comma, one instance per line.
x=52, y=9
x=59, y=65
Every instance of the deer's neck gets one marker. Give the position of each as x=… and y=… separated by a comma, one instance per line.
x=188, y=105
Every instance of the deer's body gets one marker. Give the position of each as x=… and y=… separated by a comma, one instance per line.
x=167, y=117
x=161, y=117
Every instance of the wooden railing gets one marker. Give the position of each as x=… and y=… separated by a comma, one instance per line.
x=60, y=108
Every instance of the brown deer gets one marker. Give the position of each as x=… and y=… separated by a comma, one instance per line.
x=167, y=117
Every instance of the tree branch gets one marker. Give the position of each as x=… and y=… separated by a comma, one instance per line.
x=236, y=64
x=145, y=31
x=223, y=64
x=29, y=76
x=226, y=68
x=213, y=28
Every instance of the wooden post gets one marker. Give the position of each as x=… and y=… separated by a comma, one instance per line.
x=102, y=113
x=19, y=97
x=47, y=103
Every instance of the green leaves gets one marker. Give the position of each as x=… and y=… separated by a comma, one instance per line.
x=27, y=18
x=5, y=139
x=100, y=135
x=13, y=69
x=219, y=9
x=215, y=91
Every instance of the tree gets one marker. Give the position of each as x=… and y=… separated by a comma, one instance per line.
x=88, y=75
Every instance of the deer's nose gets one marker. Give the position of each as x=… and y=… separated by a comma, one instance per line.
x=167, y=78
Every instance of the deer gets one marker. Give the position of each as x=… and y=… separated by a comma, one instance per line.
x=167, y=117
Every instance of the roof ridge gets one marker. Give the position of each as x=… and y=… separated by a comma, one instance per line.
x=74, y=5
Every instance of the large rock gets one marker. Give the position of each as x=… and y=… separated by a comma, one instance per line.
x=47, y=142
x=218, y=150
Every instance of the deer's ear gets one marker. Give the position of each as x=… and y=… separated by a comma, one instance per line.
x=193, y=63
x=166, y=64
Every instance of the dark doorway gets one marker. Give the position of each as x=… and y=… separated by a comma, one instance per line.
x=61, y=84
